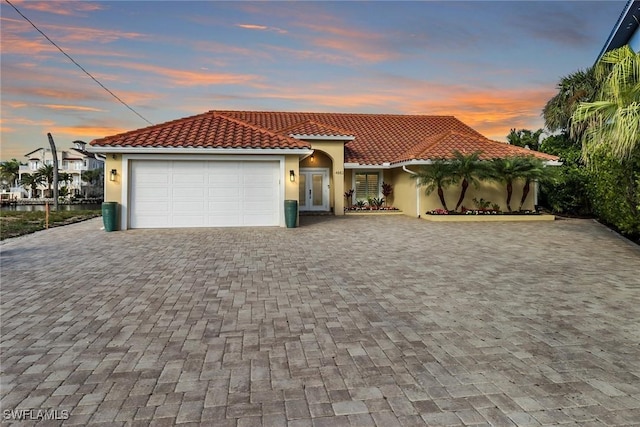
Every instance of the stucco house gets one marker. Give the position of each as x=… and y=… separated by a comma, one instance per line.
x=72, y=161
x=236, y=168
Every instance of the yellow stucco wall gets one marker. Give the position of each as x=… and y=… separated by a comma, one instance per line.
x=489, y=191
x=405, y=197
x=404, y=192
x=113, y=189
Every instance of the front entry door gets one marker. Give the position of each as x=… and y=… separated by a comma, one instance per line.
x=314, y=189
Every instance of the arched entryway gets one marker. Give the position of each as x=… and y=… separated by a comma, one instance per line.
x=315, y=183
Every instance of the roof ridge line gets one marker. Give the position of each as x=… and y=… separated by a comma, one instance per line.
x=331, y=113
x=428, y=143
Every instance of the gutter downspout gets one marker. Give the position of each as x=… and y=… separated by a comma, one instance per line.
x=404, y=168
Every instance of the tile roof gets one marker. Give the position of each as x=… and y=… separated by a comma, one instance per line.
x=208, y=130
x=443, y=145
x=315, y=129
x=377, y=138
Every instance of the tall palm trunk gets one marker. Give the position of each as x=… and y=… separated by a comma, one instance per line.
x=509, y=194
x=441, y=195
x=463, y=191
x=525, y=193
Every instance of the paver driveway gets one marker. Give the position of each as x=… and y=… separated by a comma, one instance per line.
x=346, y=321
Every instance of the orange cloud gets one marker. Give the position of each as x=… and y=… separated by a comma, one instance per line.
x=492, y=113
x=87, y=131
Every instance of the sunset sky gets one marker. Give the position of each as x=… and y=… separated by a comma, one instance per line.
x=491, y=64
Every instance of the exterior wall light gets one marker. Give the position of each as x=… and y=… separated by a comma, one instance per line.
x=292, y=176
x=312, y=158
x=113, y=175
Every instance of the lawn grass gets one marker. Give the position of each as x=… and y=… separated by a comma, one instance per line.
x=18, y=223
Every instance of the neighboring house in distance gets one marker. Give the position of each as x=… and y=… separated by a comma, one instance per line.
x=236, y=168
x=73, y=161
x=625, y=32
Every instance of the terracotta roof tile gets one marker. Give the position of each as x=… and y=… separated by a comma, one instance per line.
x=313, y=128
x=378, y=138
x=443, y=145
x=208, y=130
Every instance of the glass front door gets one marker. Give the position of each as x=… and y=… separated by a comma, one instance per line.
x=314, y=189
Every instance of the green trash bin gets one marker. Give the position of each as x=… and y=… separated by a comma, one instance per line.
x=290, y=213
x=109, y=215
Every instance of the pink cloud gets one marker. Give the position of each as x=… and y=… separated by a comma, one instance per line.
x=59, y=7
x=193, y=78
x=261, y=28
x=62, y=107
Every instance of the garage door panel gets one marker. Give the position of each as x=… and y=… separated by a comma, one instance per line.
x=188, y=193
x=189, y=179
x=263, y=193
x=204, y=194
x=257, y=208
x=152, y=193
x=224, y=180
x=187, y=207
x=225, y=192
x=152, y=180
x=153, y=206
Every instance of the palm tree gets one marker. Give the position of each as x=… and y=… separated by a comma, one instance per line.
x=92, y=177
x=31, y=181
x=46, y=172
x=65, y=177
x=532, y=170
x=435, y=176
x=466, y=168
x=507, y=170
x=10, y=170
x=574, y=88
x=525, y=138
x=612, y=120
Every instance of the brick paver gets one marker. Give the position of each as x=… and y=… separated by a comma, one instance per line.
x=345, y=321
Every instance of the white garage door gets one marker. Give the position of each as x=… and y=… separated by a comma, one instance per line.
x=204, y=193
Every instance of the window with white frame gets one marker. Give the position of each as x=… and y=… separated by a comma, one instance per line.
x=367, y=184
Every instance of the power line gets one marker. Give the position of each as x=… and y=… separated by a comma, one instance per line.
x=78, y=65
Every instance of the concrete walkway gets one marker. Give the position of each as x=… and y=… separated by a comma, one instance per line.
x=357, y=321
